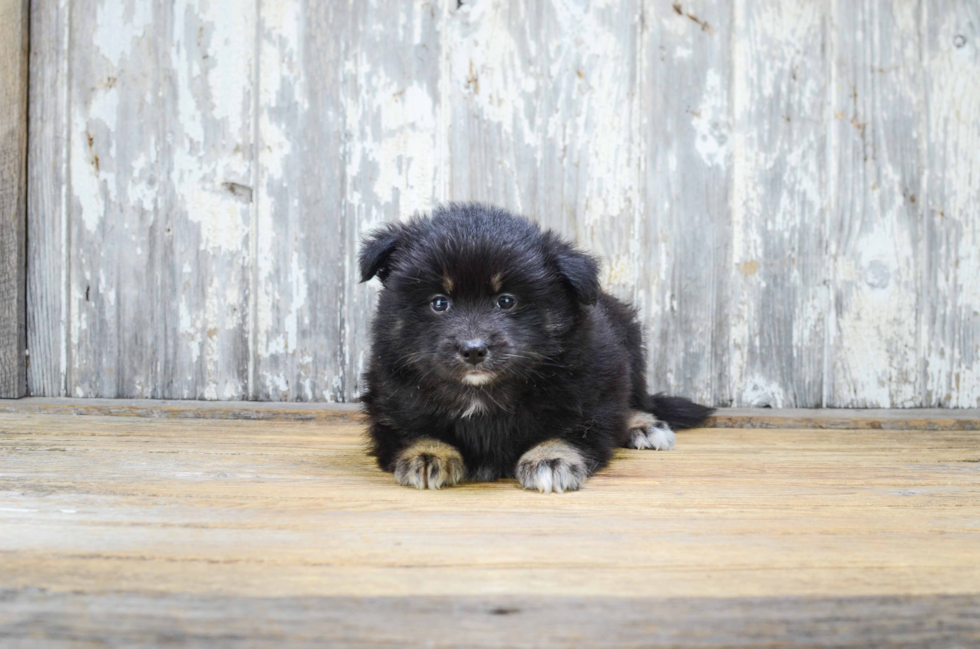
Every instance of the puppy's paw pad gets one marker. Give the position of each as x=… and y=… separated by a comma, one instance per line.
x=429, y=464
x=552, y=466
x=646, y=431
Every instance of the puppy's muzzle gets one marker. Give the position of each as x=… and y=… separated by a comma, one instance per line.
x=474, y=352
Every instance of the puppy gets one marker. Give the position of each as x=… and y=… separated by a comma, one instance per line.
x=494, y=353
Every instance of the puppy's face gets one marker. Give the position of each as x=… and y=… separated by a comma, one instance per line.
x=474, y=300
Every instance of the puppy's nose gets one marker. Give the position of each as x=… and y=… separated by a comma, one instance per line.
x=473, y=351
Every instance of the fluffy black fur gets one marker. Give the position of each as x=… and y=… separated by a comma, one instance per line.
x=565, y=361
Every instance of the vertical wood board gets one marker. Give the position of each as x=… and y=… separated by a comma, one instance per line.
x=543, y=100
x=779, y=287
x=686, y=128
x=949, y=285
x=14, y=20
x=296, y=337
x=874, y=237
x=48, y=189
x=161, y=173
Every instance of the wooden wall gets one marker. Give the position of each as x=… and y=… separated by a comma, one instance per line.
x=789, y=190
x=13, y=197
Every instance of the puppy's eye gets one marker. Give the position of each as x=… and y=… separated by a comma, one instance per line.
x=439, y=303
x=506, y=301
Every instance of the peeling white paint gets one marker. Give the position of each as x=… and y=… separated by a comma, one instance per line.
x=117, y=27
x=828, y=268
x=712, y=122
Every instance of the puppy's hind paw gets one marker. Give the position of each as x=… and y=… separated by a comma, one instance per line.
x=429, y=464
x=552, y=466
x=646, y=431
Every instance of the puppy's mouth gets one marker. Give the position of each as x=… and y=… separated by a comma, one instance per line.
x=477, y=377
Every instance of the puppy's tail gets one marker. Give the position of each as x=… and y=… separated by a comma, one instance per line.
x=677, y=412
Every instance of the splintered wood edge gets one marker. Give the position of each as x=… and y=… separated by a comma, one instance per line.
x=838, y=419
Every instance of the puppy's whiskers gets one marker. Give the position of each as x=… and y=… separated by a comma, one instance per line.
x=411, y=358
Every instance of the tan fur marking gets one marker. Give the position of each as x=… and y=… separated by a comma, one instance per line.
x=640, y=419
x=553, y=449
x=497, y=282
x=646, y=431
x=447, y=283
x=429, y=464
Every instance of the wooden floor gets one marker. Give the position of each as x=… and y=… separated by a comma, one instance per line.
x=120, y=531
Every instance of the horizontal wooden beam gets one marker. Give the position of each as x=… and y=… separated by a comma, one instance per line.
x=831, y=419
x=495, y=620
x=13, y=197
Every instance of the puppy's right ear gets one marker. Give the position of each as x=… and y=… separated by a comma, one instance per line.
x=376, y=251
x=578, y=270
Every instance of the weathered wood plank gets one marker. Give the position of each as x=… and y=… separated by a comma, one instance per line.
x=779, y=292
x=544, y=118
x=161, y=175
x=394, y=147
x=49, y=247
x=876, y=168
x=298, y=256
x=785, y=418
x=348, y=122
x=30, y=616
x=949, y=289
x=687, y=134
x=160, y=509
x=787, y=191
x=14, y=46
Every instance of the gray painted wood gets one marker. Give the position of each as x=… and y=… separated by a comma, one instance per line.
x=13, y=193
x=686, y=130
x=393, y=151
x=161, y=165
x=875, y=212
x=950, y=235
x=47, y=198
x=746, y=171
x=297, y=344
x=779, y=296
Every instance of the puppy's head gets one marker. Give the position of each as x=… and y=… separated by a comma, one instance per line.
x=475, y=297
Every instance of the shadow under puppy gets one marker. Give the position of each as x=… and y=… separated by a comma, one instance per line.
x=494, y=353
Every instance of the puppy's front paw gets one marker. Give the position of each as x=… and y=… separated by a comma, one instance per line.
x=552, y=466
x=429, y=464
x=646, y=431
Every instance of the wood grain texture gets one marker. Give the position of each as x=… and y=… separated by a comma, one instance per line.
x=878, y=141
x=687, y=181
x=49, y=247
x=149, y=516
x=299, y=255
x=779, y=292
x=361, y=83
x=30, y=616
x=786, y=190
x=14, y=46
x=161, y=167
x=950, y=311
x=544, y=118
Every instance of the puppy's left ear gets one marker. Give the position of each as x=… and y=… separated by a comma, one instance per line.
x=376, y=251
x=578, y=270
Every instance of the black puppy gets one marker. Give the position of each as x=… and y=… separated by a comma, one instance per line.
x=494, y=353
